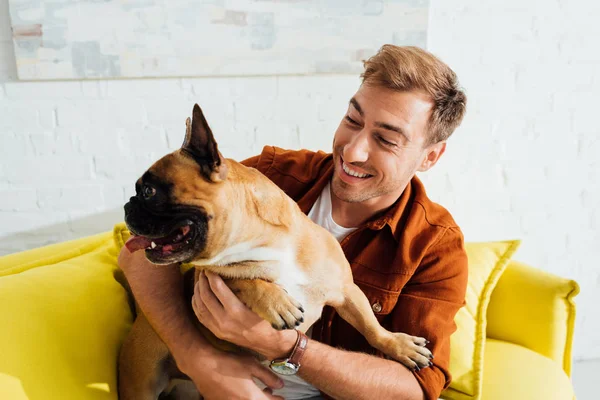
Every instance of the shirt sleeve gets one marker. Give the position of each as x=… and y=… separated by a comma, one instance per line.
x=263, y=161
x=251, y=162
x=429, y=302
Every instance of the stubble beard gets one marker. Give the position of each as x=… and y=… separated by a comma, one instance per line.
x=349, y=194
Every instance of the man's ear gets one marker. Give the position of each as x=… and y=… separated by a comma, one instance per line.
x=433, y=154
x=200, y=143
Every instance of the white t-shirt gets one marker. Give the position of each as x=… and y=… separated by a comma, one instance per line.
x=295, y=388
x=321, y=214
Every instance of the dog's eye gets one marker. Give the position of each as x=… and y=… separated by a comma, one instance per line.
x=148, y=191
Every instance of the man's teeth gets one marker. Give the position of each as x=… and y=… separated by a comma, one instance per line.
x=153, y=245
x=353, y=173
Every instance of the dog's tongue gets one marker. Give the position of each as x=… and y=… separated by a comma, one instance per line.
x=136, y=243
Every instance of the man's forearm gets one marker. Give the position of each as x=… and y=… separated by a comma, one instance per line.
x=164, y=306
x=349, y=375
x=341, y=374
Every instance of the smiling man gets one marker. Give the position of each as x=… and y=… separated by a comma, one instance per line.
x=406, y=252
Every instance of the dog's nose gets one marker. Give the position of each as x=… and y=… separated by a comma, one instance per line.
x=130, y=204
x=127, y=208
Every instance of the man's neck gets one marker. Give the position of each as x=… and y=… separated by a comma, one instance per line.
x=352, y=215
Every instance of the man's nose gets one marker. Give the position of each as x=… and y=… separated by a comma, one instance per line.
x=357, y=150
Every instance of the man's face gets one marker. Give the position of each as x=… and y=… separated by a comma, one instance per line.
x=379, y=145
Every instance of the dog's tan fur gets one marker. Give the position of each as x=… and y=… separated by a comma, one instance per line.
x=283, y=262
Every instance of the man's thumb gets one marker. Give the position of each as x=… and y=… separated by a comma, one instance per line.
x=267, y=376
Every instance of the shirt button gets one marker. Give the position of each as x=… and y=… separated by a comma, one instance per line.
x=377, y=307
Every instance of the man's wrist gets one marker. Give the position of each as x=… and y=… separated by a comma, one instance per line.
x=283, y=345
x=187, y=357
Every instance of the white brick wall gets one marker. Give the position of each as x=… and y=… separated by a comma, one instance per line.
x=523, y=165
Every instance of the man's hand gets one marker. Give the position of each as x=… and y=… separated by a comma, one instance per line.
x=218, y=309
x=217, y=375
x=229, y=376
x=138, y=259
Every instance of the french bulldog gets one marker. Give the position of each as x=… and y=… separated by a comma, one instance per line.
x=196, y=207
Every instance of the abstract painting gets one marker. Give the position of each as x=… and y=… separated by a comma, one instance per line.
x=93, y=39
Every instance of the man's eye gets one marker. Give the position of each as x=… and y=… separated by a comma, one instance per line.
x=350, y=120
x=385, y=142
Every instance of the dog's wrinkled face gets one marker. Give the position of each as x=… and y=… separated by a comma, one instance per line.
x=169, y=215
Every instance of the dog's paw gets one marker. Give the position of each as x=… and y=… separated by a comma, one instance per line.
x=286, y=313
x=411, y=351
x=272, y=303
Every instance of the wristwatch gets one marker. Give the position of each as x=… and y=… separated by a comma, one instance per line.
x=291, y=364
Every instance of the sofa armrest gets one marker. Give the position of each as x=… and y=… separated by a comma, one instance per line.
x=534, y=309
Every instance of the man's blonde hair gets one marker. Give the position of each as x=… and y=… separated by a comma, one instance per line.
x=411, y=68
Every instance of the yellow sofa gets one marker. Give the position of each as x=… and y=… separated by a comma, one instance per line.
x=64, y=314
x=530, y=322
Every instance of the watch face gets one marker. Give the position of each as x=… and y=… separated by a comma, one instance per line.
x=284, y=367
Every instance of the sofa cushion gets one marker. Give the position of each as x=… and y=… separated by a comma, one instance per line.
x=487, y=261
x=65, y=316
x=546, y=324
x=515, y=372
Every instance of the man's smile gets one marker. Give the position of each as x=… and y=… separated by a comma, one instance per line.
x=351, y=174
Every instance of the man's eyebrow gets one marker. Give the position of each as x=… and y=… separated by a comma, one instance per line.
x=392, y=128
x=356, y=106
x=383, y=125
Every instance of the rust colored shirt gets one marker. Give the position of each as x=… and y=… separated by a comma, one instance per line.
x=410, y=262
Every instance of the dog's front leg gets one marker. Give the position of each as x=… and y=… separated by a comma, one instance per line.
x=269, y=300
x=356, y=310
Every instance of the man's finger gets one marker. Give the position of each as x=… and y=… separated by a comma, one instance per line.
x=207, y=296
x=266, y=376
x=269, y=393
x=202, y=313
x=198, y=305
x=222, y=291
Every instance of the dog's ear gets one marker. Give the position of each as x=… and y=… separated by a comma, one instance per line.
x=200, y=143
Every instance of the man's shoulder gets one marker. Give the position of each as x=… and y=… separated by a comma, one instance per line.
x=433, y=234
x=429, y=226
x=302, y=165
x=301, y=174
x=434, y=214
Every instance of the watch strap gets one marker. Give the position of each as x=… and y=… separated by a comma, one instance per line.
x=298, y=350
